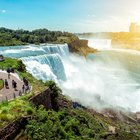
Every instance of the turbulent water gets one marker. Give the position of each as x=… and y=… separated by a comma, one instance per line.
x=106, y=79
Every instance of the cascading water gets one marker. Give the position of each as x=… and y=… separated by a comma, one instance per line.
x=52, y=62
x=106, y=79
x=25, y=51
x=61, y=49
x=102, y=83
x=44, y=62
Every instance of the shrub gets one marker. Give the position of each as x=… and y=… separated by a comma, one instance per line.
x=1, y=84
x=20, y=66
x=54, y=94
x=29, y=110
x=4, y=110
x=6, y=117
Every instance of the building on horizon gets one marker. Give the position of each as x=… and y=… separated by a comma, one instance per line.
x=134, y=27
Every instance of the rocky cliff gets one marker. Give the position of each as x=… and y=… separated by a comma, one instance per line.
x=81, y=47
x=76, y=45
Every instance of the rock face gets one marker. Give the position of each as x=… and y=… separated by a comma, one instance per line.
x=80, y=47
x=43, y=98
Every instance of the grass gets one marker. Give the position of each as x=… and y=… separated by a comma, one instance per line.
x=1, y=84
x=13, y=109
x=8, y=62
x=20, y=106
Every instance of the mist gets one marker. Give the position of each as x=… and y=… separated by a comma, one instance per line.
x=104, y=82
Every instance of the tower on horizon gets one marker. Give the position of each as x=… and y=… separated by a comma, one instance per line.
x=134, y=27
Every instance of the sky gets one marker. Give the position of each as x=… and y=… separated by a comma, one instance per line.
x=70, y=15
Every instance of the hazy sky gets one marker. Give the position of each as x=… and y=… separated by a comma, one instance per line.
x=69, y=15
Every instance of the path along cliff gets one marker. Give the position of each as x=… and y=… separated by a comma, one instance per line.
x=9, y=93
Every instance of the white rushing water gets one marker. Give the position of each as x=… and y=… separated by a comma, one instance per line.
x=102, y=83
x=108, y=79
x=100, y=44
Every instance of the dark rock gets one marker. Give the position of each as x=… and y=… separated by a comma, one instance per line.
x=80, y=47
x=1, y=58
x=43, y=98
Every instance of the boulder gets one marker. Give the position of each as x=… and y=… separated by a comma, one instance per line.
x=1, y=58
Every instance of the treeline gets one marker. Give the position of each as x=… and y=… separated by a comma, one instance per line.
x=18, y=37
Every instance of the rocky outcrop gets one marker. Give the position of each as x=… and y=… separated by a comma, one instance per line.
x=1, y=58
x=63, y=102
x=43, y=98
x=80, y=47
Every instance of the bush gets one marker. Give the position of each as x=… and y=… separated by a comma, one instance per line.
x=4, y=110
x=1, y=84
x=29, y=110
x=20, y=66
x=6, y=117
x=54, y=94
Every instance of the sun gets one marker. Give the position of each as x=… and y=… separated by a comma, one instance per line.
x=136, y=17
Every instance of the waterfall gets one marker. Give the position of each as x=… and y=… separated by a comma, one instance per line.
x=45, y=62
x=52, y=63
x=40, y=71
x=32, y=50
x=107, y=79
x=61, y=49
x=22, y=52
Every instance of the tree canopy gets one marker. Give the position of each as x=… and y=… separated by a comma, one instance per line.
x=9, y=37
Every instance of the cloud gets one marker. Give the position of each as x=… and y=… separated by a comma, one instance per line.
x=3, y=11
x=91, y=15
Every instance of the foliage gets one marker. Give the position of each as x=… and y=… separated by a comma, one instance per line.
x=55, y=92
x=71, y=124
x=1, y=84
x=20, y=66
x=54, y=88
x=14, y=109
x=65, y=124
x=18, y=37
x=13, y=63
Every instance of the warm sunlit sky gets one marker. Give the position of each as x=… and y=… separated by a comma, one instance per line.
x=70, y=15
